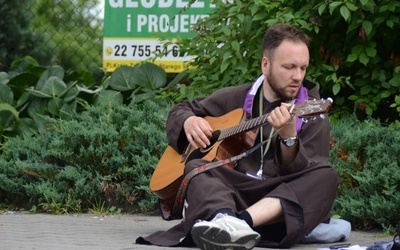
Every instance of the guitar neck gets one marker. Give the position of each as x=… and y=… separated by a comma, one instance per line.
x=244, y=127
x=305, y=109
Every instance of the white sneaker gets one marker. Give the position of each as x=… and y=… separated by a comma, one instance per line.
x=224, y=232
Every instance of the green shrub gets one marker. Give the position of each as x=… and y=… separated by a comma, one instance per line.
x=354, y=53
x=30, y=91
x=106, y=153
x=367, y=157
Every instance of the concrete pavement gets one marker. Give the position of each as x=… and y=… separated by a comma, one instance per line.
x=23, y=231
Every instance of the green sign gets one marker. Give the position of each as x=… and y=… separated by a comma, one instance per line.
x=133, y=29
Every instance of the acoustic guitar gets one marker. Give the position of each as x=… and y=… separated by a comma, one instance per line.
x=227, y=140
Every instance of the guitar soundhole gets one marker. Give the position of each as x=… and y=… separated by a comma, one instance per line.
x=200, y=153
x=213, y=140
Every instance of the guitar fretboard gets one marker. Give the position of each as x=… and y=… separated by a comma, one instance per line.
x=243, y=127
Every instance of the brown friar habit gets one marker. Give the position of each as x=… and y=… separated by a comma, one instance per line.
x=306, y=188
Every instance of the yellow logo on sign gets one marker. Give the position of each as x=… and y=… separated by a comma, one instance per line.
x=109, y=51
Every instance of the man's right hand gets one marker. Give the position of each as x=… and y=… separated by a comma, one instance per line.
x=197, y=131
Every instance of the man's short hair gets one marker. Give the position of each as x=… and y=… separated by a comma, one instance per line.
x=277, y=33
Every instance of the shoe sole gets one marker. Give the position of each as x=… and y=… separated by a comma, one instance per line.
x=207, y=238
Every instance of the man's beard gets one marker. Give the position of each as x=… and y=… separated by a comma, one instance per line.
x=280, y=92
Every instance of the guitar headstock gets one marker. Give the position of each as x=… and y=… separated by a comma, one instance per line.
x=312, y=108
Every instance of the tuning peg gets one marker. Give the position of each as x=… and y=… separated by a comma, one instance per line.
x=322, y=116
x=305, y=120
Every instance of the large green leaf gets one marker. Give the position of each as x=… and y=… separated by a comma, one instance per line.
x=68, y=109
x=8, y=114
x=150, y=76
x=51, y=72
x=36, y=107
x=123, y=78
x=26, y=126
x=8, y=108
x=22, y=81
x=22, y=65
x=66, y=93
x=54, y=86
x=6, y=94
x=142, y=96
x=106, y=83
x=4, y=79
x=54, y=105
x=38, y=93
x=178, y=78
x=71, y=94
x=22, y=102
x=82, y=77
x=109, y=96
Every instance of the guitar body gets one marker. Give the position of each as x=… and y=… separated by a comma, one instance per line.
x=168, y=173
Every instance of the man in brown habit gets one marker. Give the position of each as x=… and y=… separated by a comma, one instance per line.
x=280, y=192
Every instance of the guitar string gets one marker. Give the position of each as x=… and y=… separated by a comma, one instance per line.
x=245, y=126
x=251, y=123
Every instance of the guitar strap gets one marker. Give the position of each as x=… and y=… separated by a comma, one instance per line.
x=173, y=210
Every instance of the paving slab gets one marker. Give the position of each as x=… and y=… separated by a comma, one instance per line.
x=23, y=231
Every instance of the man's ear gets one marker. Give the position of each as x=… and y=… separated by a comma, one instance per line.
x=265, y=64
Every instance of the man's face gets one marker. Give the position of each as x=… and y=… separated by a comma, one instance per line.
x=286, y=71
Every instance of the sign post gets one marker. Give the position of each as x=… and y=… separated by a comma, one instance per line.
x=133, y=29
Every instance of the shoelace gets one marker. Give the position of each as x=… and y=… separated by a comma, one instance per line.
x=225, y=223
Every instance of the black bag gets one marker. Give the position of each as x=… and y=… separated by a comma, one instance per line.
x=391, y=245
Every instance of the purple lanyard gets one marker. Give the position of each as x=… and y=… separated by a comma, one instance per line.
x=248, y=103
